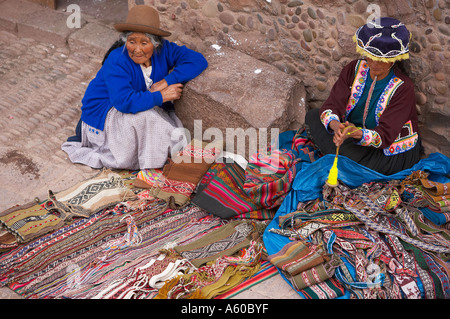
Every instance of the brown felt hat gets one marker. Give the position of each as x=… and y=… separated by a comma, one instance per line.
x=142, y=18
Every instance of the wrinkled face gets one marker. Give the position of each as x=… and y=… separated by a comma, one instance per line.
x=379, y=69
x=140, y=48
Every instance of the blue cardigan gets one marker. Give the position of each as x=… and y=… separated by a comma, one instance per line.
x=120, y=82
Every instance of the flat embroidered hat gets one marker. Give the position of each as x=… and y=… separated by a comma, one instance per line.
x=142, y=18
x=385, y=39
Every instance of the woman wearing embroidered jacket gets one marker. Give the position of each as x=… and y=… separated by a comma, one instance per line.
x=371, y=111
x=127, y=117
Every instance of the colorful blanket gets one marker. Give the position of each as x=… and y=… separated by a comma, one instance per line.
x=221, y=193
x=230, y=191
x=270, y=173
x=392, y=249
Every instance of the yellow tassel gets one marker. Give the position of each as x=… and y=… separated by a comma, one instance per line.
x=164, y=290
x=197, y=295
x=333, y=175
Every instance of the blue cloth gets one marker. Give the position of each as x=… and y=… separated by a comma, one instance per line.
x=120, y=82
x=435, y=217
x=309, y=181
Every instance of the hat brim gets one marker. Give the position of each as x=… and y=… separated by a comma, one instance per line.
x=361, y=51
x=122, y=27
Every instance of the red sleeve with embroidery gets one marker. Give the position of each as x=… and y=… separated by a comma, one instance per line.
x=334, y=107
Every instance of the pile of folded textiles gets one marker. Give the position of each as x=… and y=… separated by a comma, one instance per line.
x=385, y=240
x=131, y=249
x=226, y=184
x=192, y=229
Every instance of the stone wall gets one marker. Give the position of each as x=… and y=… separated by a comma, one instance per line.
x=311, y=40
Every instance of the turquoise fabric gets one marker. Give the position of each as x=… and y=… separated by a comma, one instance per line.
x=356, y=115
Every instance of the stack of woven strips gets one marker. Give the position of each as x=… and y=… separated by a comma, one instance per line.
x=24, y=223
x=118, y=236
x=373, y=241
x=131, y=248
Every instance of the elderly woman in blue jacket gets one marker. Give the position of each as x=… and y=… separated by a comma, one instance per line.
x=127, y=115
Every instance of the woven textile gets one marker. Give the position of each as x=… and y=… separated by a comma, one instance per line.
x=32, y=220
x=148, y=178
x=45, y=259
x=296, y=257
x=82, y=258
x=144, y=279
x=307, y=266
x=223, y=241
x=437, y=194
x=221, y=193
x=216, y=277
x=139, y=272
x=266, y=270
x=391, y=253
x=104, y=190
x=328, y=289
x=7, y=241
x=184, y=171
x=312, y=276
x=28, y=221
x=228, y=190
x=270, y=172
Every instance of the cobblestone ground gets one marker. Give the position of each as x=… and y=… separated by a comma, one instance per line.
x=41, y=87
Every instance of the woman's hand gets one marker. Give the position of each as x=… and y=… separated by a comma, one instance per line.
x=159, y=86
x=168, y=92
x=172, y=92
x=342, y=131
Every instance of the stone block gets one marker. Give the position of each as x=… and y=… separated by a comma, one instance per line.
x=241, y=100
x=12, y=12
x=46, y=25
x=95, y=37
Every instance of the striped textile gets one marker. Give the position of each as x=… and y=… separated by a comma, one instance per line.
x=77, y=261
x=230, y=191
x=221, y=193
x=266, y=271
x=30, y=221
x=270, y=173
x=328, y=289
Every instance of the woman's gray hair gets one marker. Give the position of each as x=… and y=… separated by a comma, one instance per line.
x=156, y=40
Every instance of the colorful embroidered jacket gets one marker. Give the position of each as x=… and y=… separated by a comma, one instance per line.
x=395, y=113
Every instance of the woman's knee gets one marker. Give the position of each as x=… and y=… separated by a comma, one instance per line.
x=312, y=116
